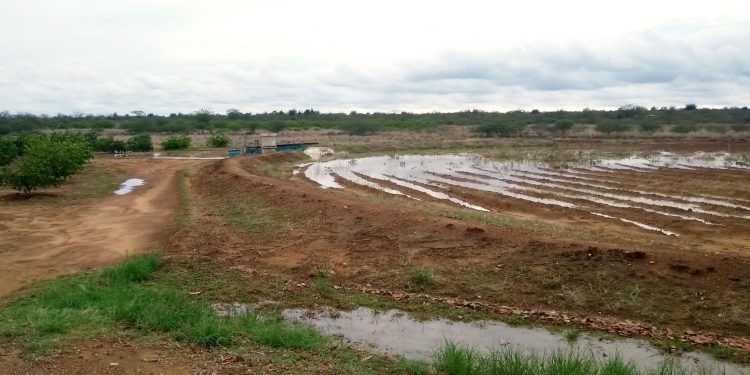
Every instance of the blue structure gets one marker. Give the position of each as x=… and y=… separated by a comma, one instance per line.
x=284, y=147
x=234, y=152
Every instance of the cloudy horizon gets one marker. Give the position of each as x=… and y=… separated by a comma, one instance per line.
x=173, y=56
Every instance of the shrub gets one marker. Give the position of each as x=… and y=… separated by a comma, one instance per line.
x=649, y=127
x=563, y=126
x=684, y=128
x=140, y=143
x=501, y=128
x=176, y=142
x=217, y=140
x=109, y=144
x=421, y=277
x=360, y=127
x=276, y=126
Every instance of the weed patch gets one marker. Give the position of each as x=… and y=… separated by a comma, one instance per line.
x=270, y=170
x=455, y=360
x=552, y=283
x=421, y=278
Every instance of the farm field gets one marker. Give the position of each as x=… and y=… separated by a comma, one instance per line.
x=647, y=239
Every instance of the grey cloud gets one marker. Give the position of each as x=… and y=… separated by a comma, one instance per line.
x=662, y=66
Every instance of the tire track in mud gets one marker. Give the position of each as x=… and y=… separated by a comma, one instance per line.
x=48, y=241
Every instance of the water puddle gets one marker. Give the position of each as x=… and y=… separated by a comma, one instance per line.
x=394, y=332
x=540, y=183
x=128, y=186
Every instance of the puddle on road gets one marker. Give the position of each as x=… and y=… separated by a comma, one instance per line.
x=417, y=174
x=394, y=332
x=128, y=186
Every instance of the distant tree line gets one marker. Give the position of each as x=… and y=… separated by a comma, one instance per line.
x=630, y=117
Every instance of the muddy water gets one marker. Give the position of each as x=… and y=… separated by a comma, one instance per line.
x=538, y=183
x=394, y=332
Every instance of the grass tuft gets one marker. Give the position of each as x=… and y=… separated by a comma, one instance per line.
x=455, y=360
x=421, y=278
x=133, y=270
x=552, y=283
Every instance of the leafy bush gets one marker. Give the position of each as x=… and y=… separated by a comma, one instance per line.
x=421, y=277
x=649, y=127
x=501, y=128
x=46, y=162
x=218, y=140
x=140, y=143
x=277, y=126
x=9, y=150
x=684, y=128
x=176, y=142
x=360, y=127
x=109, y=144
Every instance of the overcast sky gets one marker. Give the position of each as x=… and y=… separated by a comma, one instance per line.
x=163, y=56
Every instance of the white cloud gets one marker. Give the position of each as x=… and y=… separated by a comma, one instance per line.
x=170, y=56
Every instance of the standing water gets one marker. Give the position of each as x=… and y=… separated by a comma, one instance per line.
x=394, y=332
x=128, y=186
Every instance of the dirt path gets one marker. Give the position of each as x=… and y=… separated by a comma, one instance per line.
x=47, y=241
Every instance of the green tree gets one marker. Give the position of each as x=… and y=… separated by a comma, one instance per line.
x=277, y=126
x=218, y=140
x=203, y=119
x=140, y=143
x=46, y=162
x=562, y=126
x=9, y=149
x=234, y=114
x=176, y=142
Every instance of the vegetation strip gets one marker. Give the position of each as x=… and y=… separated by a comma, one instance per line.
x=625, y=328
x=85, y=305
x=457, y=360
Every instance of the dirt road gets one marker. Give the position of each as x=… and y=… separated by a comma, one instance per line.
x=45, y=241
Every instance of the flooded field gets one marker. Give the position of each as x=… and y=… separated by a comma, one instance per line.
x=394, y=332
x=627, y=190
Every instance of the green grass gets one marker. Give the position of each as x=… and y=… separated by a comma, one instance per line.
x=125, y=296
x=552, y=283
x=572, y=334
x=412, y=367
x=270, y=170
x=456, y=360
x=183, y=218
x=421, y=278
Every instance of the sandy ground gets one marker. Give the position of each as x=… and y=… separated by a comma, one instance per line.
x=46, y=241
